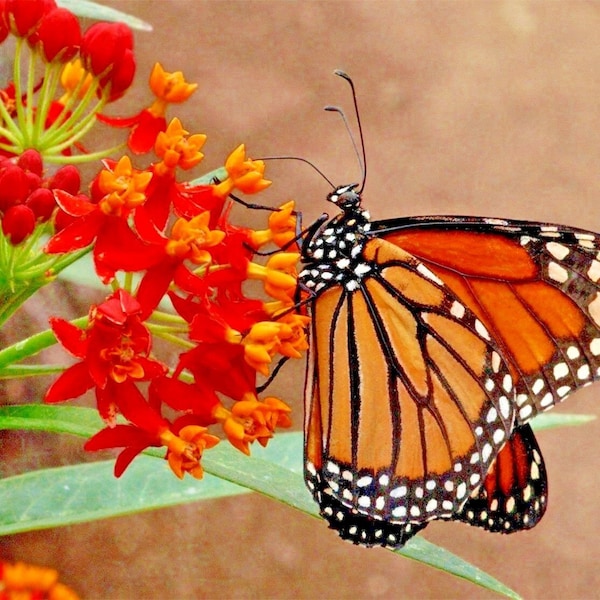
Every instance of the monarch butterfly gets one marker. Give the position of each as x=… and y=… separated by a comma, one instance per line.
x=434, y=341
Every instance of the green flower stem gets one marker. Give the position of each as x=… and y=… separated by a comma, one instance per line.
x=164, y=317
x=45, y=97
x=19, y=92
x=22, y=371
x=68, y=117
x=73, y=121
x=30, y=106
x=60, y=159
x=32, y=345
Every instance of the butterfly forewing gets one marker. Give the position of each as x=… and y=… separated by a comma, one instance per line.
x=534, y=286
x=408, y=399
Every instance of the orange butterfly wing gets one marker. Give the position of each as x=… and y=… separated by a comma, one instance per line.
x=537, y=292
x=514, y=494
x=430, y=338
x=408, y=399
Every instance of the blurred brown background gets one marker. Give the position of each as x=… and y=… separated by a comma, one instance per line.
x=483, y=108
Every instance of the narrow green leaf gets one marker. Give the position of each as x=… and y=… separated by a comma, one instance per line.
x=553, y=420
x=53, y=497
x=92, y=10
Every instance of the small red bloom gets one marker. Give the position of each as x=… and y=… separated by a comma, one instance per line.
x=107, y=51
x=14, y=186
x=23, y=17
x=114, y=352
x=18, y=222
x=58, y=35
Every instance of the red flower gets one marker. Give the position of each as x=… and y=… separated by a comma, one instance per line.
x=114, y=353
x=18, y=222
x=169, y=88
x=107, y=51
x=116, y=247
x=58, y=35
x=23, y=17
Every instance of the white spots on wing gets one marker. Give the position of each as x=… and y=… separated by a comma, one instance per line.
x=507, y=383
x=573, y=352
x=525, y=412
x=498, y=436
x=362, y=269
x=563, y=391
x=481, y=330
x=559, y=251
x=427, y=273
x=504, y=405
x=547, y=400
x=492, y=415
x=594, y=271
x=594, y=309
x=538, y=386
x=557, y=272
x=522, y=399
x=364, y=481
x=399, y=492
x=457, y=310
x=496, y=362
x=595, y=346
x=583, y=372
x=486, y=452
x=560, y=370
x=332, y=468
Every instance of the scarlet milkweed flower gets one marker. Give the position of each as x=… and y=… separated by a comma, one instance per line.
x=102, y=69
x=21, y=581
x=168, y=88
x=243, y=174
x=114, y=352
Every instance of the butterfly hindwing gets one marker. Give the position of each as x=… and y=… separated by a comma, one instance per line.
x=514, y=494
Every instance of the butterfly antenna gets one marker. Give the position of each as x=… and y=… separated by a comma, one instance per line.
x=304, y=160
x=361, y=155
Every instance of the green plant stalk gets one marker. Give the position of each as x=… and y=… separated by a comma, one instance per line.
x=32, y=345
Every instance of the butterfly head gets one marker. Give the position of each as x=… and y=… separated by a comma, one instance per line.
x=346, y=197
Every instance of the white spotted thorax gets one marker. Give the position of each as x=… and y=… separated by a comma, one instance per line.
x=333, y=254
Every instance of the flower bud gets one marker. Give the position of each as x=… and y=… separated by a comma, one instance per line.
x=66, y=178
x=58, y=35
x=22, y=18
x=31, y=160
x=17, y=223
x=42, y=203
x=14, y=186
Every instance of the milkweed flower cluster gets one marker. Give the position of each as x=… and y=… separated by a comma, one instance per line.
x=137, y=217
x=21, y=581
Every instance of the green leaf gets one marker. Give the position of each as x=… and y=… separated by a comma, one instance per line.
x=553, y=420
x=92, y=10
x=64, y=495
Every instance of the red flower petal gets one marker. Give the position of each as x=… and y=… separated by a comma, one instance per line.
x=77, y=235
x=71, y=337
x=71, y=383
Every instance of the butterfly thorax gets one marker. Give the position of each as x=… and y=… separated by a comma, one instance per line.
x=333, y=255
